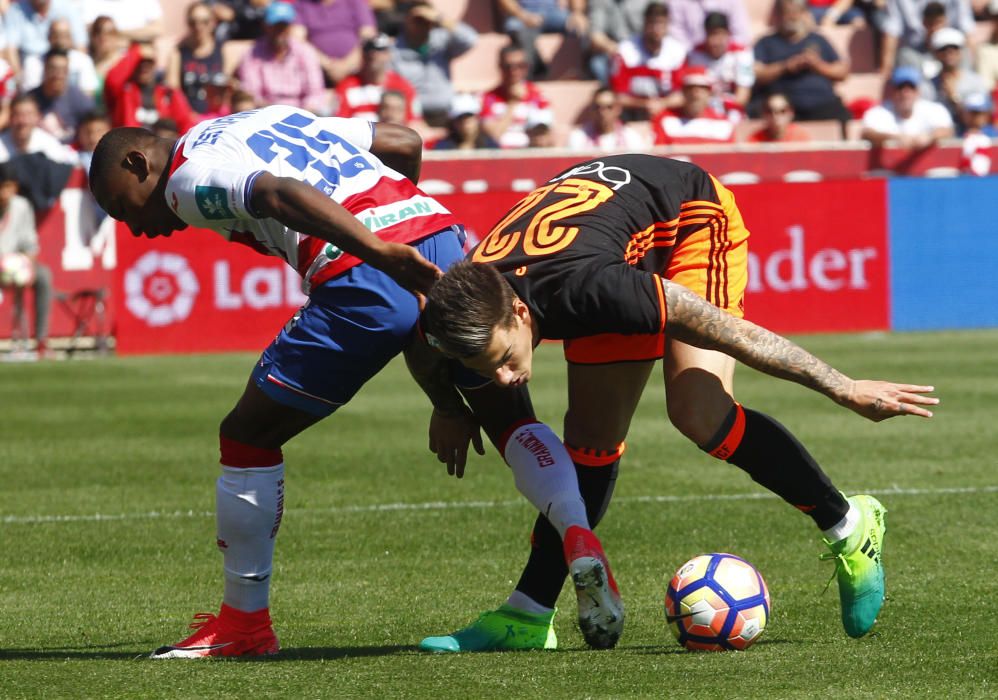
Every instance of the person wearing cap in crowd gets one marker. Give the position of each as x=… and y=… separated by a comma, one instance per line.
x=337, y=29
x=908, y=24
x=464, y=128
x=778, y=123
x=987, y=52
x=695, y=121
x=358, y=95
x=978, y=134
x=731, y=64
x=540, y=129
x=906, y=118
x=197, y=61
x=134, y=95
x=27, y=23
x=604, y=130
x=423, y=51
x=62, y=105
x=801, y=64
x=955, y=81
x=280, y=69
x=506, y=108
x=82, y=73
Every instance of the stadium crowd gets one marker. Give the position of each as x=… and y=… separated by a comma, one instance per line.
x=588, y=75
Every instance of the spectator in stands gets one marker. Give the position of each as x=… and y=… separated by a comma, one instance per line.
x=106, y=49
x=610, y=22
x=242, y=101
x=25, y=135
x=987, y=52
x=506, y=108
x=82, y=74
x=907, y=119
x=19, y=236
x=197, y=61
x=391, y=108
x=778, y=122
x=695, y=121
x=642, y=71
x=91, y=129
x=62, y=105
x=525, y=20
x=828, y=13
x=920, y=55
x=464, y=132
x=136, y=20
x=954, y=82
x=905, y=28
x=8, y=89
x=731, y=64
x=389, y=15
x=280, y=69
x=688, y=16
x=978, y=115
x=218, y=97
x=801, y=64
x=358, y=95
x=423, y=52
x=540, y=129
x=604, y=130
x=27, y=24
x=239, y=19
x=336, y=28
x=134, y=96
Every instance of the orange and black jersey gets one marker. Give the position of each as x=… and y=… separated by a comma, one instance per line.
x=585, y=250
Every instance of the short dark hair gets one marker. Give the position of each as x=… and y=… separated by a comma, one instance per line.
x=56, y=52
x=95, y=115
x=512, y=47
x=715, y=20
x=656, y=9
x=112, y=148
x=933, y=10
x=24, y=98
x=7, y=172
x=465, y=306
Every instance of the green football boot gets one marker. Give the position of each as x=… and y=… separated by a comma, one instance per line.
x=859, y=567
x=505, y=629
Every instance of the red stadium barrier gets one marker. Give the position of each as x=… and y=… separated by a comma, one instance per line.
x=809, y=271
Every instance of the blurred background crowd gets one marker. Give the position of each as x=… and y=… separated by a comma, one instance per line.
x=586, y=75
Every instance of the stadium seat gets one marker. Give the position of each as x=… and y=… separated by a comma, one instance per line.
x=802, y=176
x=861, y=85
x=739, y=177
x=760, y=13
x=854, y=130
x=826, y=130
x=855, y=45
x=174, y=19
x=568, y=98
x=563, y=55
x=745, y=128
x=478, y=69
x=233, y=52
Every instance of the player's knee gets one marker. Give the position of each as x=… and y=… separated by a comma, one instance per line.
x=604, y=433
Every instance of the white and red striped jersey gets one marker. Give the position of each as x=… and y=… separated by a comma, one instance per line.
x=360, y=100
x=709, y=127
x=215, y=164
x=495, y=105
x=733, y=69
x=637, y=72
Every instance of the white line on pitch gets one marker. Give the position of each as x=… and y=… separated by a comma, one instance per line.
x=455, y=505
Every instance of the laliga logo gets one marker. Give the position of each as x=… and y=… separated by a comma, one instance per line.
x=160, y=288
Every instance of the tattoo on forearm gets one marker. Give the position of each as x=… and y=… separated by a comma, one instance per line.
x=693, y=320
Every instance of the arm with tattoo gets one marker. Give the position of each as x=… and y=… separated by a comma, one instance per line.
x=693, y=320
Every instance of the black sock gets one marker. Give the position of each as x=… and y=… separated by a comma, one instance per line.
x=774, y=458
x=545, y=572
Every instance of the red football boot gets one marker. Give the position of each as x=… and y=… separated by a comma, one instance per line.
x=230, y=633
x=601, y=611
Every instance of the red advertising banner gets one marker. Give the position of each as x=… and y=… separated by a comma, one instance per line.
x=809, y=270
x=196, y=292
x=78, y=246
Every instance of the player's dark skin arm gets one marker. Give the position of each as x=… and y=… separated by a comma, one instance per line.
x=693, y=320
x=400, y=148
x=303, y=208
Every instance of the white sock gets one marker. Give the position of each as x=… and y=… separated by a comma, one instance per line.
x=845, y=527
x=521, y=601
x=249, y=503
x=545, y=474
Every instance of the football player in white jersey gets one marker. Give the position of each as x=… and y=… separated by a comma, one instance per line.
x=336, y=199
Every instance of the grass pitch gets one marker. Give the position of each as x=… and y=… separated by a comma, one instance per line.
x=107, y=540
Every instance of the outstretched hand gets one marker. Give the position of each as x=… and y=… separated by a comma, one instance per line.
x=449, y=438
x=878, y=400
x=407, y=267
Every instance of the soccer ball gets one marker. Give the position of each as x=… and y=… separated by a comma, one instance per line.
x=717, y=602
x=16, y=270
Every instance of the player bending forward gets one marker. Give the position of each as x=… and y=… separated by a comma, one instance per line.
x=336, y=199
x=628, y=259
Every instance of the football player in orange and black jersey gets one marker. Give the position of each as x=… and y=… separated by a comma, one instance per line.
x=628, y=259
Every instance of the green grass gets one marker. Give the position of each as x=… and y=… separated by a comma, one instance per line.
x=356, y=588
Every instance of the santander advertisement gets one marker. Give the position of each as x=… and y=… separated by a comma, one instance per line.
x=811, y=268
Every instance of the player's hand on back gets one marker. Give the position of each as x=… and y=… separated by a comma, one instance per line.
x=450, y=434
x=407, y=267
x=879, y=400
